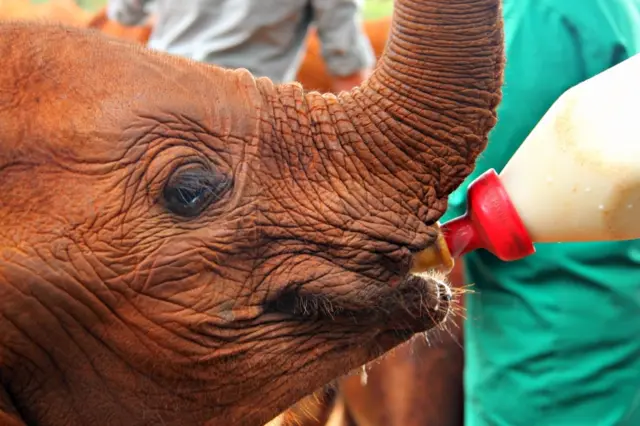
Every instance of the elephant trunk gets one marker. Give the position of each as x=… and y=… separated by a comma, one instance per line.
x=431, y=101
x=435, y=91
x=384, y=157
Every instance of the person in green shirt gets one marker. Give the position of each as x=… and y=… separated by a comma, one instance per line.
x=553, y=339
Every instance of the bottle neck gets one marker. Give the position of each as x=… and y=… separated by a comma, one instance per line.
x=491, y=222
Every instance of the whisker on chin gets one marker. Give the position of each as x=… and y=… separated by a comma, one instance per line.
x=455, y=308
x=467, y=288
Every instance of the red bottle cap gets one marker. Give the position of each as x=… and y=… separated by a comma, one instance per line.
x=491, y=223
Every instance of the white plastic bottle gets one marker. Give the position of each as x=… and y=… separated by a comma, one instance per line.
x=575, y=178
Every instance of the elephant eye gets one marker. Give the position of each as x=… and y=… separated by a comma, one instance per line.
x=190, y=190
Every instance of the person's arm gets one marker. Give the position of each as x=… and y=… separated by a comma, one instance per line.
x=346, y=49
x=128, y=12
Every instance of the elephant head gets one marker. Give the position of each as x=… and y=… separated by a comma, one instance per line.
x=186, y=245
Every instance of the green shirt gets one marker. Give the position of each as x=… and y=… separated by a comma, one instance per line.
x=553, y=339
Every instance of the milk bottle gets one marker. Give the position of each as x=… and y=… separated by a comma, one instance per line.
x=575, y=178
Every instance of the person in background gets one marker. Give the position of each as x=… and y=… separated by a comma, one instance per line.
x=553, y=339
x=267, y=37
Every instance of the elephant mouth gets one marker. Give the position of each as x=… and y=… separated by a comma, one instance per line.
x=420, y=302
x=414, y=302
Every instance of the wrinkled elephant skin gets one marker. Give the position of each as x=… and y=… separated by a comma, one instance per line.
x=186, y=245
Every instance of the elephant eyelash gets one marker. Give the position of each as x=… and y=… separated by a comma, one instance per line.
x=190, y=190
x=212, y=184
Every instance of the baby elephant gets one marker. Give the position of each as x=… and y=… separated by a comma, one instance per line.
x=186, y=245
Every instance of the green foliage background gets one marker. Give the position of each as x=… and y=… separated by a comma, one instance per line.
x=372, y=8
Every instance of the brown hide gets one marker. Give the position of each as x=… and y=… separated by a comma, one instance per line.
x=417, y=385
